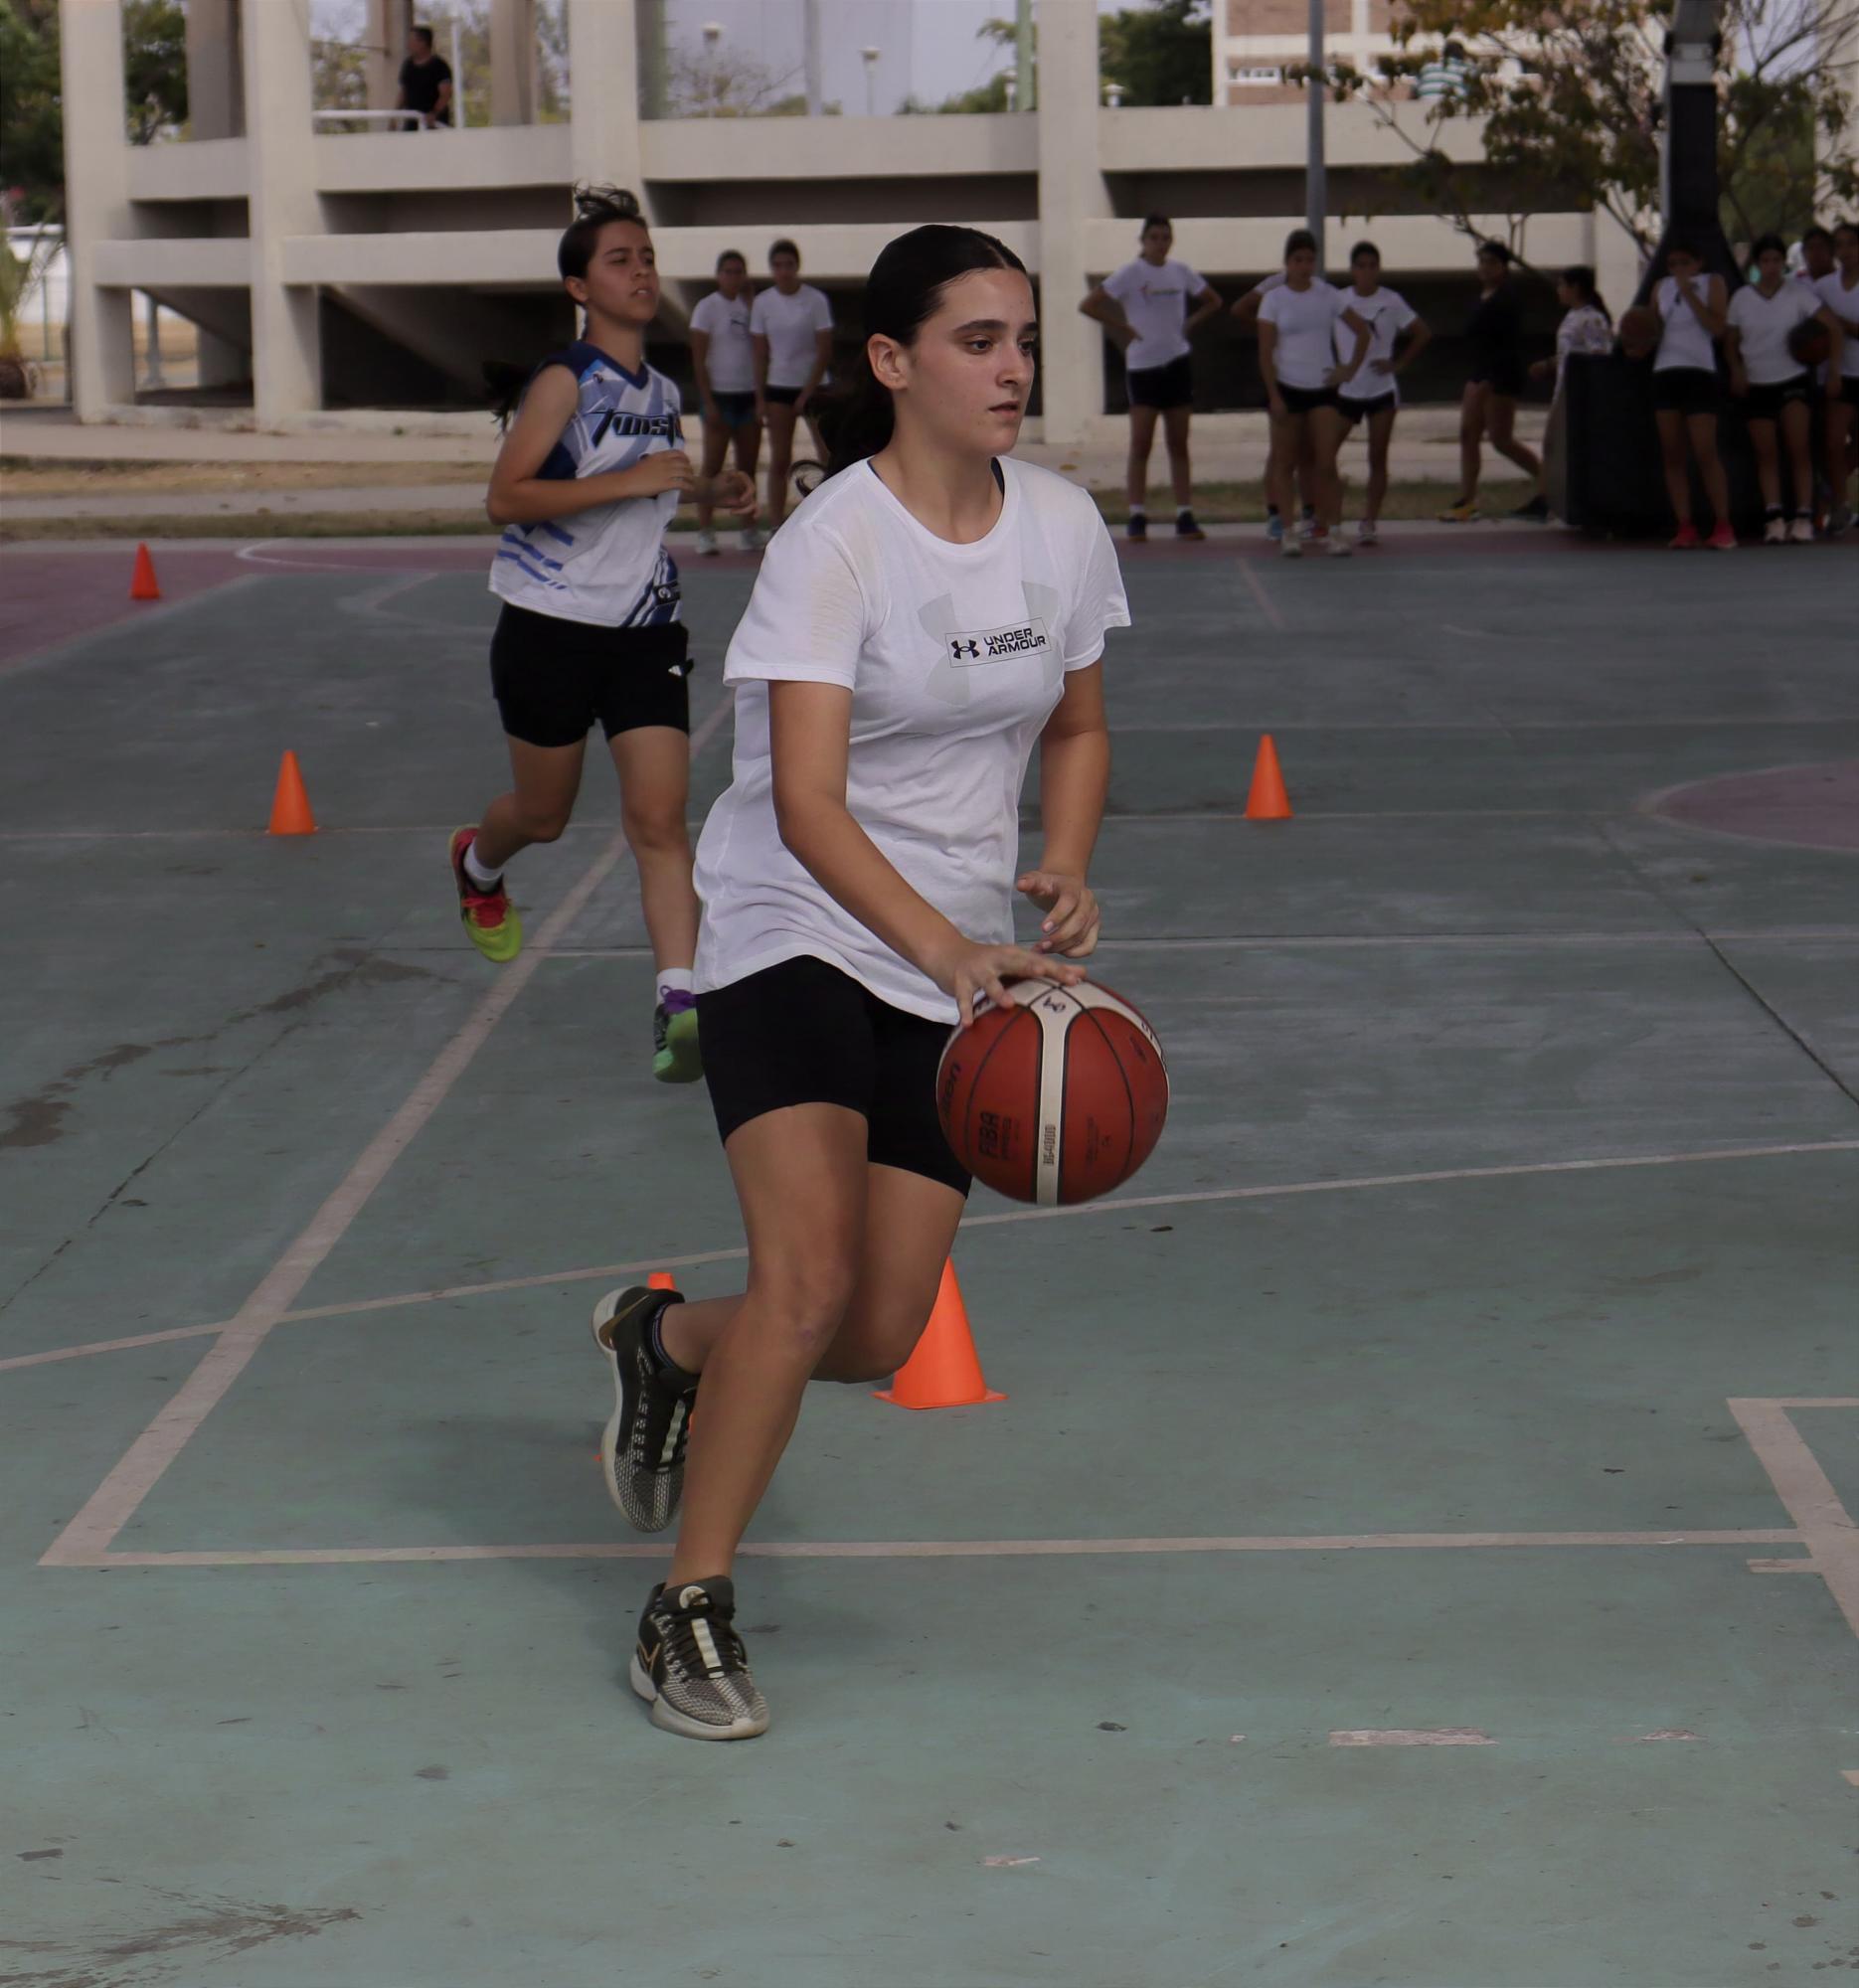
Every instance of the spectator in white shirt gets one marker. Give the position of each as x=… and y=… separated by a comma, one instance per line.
x=1152, y=308
x=793, y=329
x=723, y=359
x=1839, y=289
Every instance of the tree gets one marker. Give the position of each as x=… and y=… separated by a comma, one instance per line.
x=32, y=142
x=154, y=56
x=1570, y=93
x=1159, y=54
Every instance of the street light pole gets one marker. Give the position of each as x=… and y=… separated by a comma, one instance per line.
x=1316, y=188
x=871, y=80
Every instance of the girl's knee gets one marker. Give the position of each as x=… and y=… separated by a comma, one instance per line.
x=543, y=824
x=805, y=1305
x=656, y=831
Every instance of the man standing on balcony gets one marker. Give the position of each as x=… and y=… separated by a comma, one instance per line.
x=1151, y=307
x=425, y=81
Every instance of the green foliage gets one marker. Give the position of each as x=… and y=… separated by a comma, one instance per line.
x=1160, y=53
x=154, y=56
x=32, y=144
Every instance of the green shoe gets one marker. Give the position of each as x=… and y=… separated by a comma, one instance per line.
x=490, y=918
x=676, y=1058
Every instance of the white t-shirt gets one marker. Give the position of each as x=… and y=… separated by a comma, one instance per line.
x=1763, y=326
x=1388, y=315
x=1155, y=300
x=790, y=325
x=1831, y=290
x=1585, y=328
x=955, y=656
x=1306, y=322
x=1684, y=344
x=731, y=358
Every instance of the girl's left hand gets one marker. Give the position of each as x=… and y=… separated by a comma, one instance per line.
x=734, y=491
x=1072, y=913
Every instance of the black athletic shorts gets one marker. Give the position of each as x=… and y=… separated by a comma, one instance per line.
x=1164, y=387
x=735, y=410
x=782, y=396
x=1848, y=395
x=1306, y=399
x=1361, y=411
x=804, y=1032
x=1505, y=378
x=1686, y=389
x=1765, y=400
x=555, y=680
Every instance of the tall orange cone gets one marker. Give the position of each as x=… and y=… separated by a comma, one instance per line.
x=661, y=1280
x=290, y=805
x=1267, y=801
x=944, y=1372
x=143, y=586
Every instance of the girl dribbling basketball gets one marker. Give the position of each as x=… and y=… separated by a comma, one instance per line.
x=933, y=611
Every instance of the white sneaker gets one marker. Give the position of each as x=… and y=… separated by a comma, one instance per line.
x=753, y=540
x=1366, y=534
x=1776, y=532
x=707, y=545
x=1291, y=546
x=1338, y=546
x=1801, y=531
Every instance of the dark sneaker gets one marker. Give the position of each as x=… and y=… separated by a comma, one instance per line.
x=1139, y=526
x=1536, y=512
x=643, y=1447
x=1186, y=528
x=691, y=1668
x=676, y=1058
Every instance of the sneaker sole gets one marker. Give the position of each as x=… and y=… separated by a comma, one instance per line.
x=681, y=1061
x=668, y=1718
x=603, y=1314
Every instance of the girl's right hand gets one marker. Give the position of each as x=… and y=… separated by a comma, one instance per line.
x=1739, y=381
x=653, y=475
x=975, y=973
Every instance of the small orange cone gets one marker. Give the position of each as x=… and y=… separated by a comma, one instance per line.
x=661, y=1280
x=143, y=586
x=290, y=805
x=1267, y=801
x=944, y=1372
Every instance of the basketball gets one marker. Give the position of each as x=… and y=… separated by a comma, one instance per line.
x=1809, y=344
x=1640, y=331
x=1059, y=1098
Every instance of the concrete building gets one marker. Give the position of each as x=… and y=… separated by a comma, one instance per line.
x=350, y=274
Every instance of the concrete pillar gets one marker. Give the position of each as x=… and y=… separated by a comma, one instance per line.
x=512, y=62
x=96, y=203
x=1071, y=193
x=385, y=33
x=603, y=93
x=286, y=360
x=215, y=80
x=220, y=362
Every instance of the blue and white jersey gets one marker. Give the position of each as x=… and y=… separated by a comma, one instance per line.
x=606, y=566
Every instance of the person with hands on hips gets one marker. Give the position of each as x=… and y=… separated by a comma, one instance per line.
x=933, y=614
x=791, y=328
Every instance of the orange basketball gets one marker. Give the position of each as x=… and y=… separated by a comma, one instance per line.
x=1059, y=1098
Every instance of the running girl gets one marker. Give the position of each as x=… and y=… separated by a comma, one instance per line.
x=792, y=328
x=1775, y=389
x=1372, y=394
x=858, y=881
x=1152, y=307
x=1839, y=289
x=1488, y=408
x=1692, y=310
x=1298, y=356
x=586, y=479
x=723, y=359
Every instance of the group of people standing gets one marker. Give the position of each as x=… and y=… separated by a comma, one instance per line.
x=1331, y=356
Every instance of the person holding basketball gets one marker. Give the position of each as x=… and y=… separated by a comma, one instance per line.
x=935, y=612
x=1775, y=388
x=1693, y=314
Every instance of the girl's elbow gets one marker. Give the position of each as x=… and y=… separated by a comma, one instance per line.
x=497, y=510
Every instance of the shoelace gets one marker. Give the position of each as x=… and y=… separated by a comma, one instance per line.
x=684, y=1654
x=485, y=907
x=644, y=1443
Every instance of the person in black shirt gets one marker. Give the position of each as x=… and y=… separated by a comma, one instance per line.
x=425, y=81
x=1489, y=406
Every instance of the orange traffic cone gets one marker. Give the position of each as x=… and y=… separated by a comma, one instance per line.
x=661, y=1280
x=290, y=805
x=1267, y=801
x=143, y=586
x=944, y=1372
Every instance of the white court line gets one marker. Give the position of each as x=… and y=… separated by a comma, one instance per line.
x=1806, y=1492
x=111, y=1506
x=1413, y=1736
x=944, y=1548
x=642, y=1265
x=1266, y=605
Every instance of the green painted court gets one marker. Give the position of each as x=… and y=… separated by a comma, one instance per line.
x=1417, y=1549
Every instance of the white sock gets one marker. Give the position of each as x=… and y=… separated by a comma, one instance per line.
x=674, y=980
x=485, y=880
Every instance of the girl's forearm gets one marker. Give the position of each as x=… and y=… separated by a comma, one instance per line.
x=534, y=500
x=1074, y=779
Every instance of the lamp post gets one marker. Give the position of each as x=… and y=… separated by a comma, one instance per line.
x=712, y=32
x=1316, y=190
x=871, y=80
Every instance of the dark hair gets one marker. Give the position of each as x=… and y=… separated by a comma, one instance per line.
x=1497, y=250
x=783, y=247
x=1816, y=233
x=1364, y=248
x=1682, y=244
x=1764, y=242
x=596, y=208
x=1846, y=228
x=1580, y=278
x=1299, y=238
x=733, y=255
x=1158, y=221
x=902, y=292
x=421, y=35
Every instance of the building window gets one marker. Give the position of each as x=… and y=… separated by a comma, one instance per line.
x=1255, y=75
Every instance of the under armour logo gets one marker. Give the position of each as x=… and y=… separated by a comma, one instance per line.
x=959, y=648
